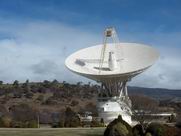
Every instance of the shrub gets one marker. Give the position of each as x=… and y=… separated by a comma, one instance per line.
x=75, y=122
x=118, y=127
x=72, y=122
x=19, y=124
x=5, y=121
x=50, y=101
x=178, y=124
x=55, y=125
x=23, y=113
x=138, y=130
x=71, y=119
x=40, y=98
x=61, y=123
x=96, y=123
x=32, y=124
x=148, y=134
x=156, y=129
x=26, y=124
x=74, y=103
x=171, y=131
x=29, y=95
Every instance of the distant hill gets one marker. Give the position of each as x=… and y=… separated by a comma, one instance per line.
x=52, y=97
x=157, y=93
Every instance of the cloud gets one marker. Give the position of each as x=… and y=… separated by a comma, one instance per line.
x=166, y=73
x=44, y=67
x=36, y=50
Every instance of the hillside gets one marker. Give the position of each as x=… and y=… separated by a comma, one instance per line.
x=51, y=99
x=157, y=93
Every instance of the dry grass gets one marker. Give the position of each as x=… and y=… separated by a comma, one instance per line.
x=52, y=132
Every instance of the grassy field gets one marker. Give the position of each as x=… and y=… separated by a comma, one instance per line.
x=52, y=132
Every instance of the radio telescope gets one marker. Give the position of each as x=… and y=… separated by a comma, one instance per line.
x=112, y=64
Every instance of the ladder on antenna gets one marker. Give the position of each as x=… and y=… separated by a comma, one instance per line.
x=110, y=32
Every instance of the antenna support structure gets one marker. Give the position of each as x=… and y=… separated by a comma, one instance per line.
x=113, y=92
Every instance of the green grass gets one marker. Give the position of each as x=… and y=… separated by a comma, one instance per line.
x=52, y=132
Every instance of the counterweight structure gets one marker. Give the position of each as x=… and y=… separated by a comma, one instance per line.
x=112, y=64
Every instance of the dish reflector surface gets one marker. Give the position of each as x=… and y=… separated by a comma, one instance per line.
x=131, y=59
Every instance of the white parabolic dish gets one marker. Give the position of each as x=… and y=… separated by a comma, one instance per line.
x=132, y=59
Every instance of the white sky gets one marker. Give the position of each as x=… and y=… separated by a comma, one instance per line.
x=36, y=50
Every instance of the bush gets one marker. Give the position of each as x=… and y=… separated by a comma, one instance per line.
x=118, y=127
x=148, y=134
x=156, y=129
x=40, y=98
x=26, y=124
x=75, y=122
x=72, y=122
x=32, y=124
x=55, y=125
x=19, y=124
x=171, y=131
x=23, y=113
x=178, y=124
x=50, y=101
x=71, y=119
x=138, y=130
x=5, y=121
x=74, y=103
x=29, y=95
x=61, y=123
x=96, y=123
